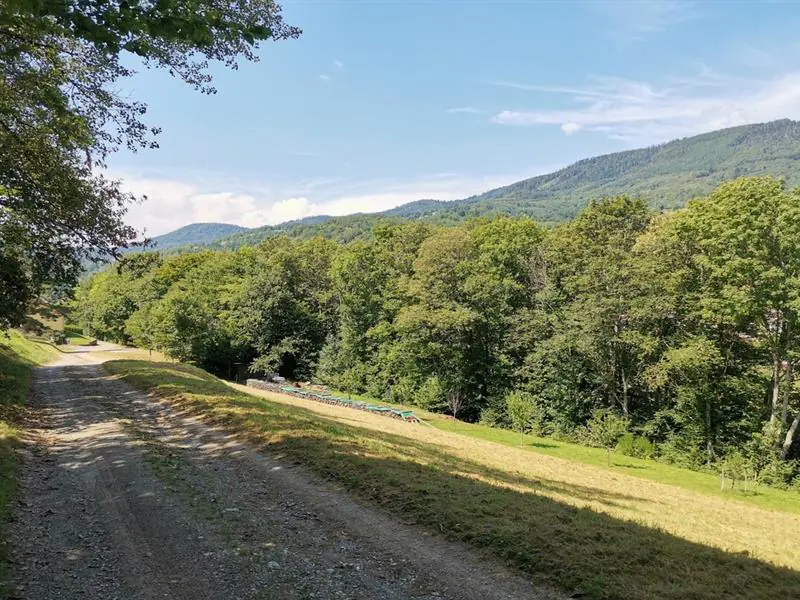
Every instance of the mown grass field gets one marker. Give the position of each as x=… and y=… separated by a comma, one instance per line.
x=566, y=523
x=18, y=357
x=708, y=483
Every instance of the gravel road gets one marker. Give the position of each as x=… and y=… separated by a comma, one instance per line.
x=127, y=498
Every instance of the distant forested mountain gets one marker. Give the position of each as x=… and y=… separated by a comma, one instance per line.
x=666, y=176
x=199, y=234
x=342, y=229
x=249, y=237
x=194, y=236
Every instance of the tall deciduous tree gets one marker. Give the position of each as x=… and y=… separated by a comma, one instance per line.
x=60, y=117
x=747, y=234
x=286, y=308
x=735, y=259
x=594, y=272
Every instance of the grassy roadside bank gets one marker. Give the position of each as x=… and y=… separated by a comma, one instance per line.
x=18, y=357
x=698, y=481
x=573, y=527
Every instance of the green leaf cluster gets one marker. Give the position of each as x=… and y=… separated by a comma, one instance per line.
x=62, y=114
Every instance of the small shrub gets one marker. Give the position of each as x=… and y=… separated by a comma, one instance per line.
x=58, y=337
x=625, y=445
x=431, y=395
x=604, y=430
x=737, y=469
x=492, y=417
x=636, y=446
x=525, y=415
x=677, y=451
x=520, y=409
x=644, y=448
x=777, y=473
x=558, y=430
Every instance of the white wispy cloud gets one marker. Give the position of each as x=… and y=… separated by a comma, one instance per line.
x=644, y=112
x=468, y=110
x=602, y=88
x=174, y=200
x=570, y=128
x=635, y=21
x=327, y=76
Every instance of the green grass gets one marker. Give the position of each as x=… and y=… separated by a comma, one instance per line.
x=72, y=329
x=79, y=340
x=560, y=529
x=75, y=335
x=18, y=357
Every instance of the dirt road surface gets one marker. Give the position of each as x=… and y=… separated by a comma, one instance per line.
x=126, y=498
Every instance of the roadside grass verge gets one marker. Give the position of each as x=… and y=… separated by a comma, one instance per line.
x=72, y=329
x=567, y=524
x=79, y=340
x=75, y=336
x=18, y=357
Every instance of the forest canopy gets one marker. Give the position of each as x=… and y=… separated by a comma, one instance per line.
x=675, y=334
x=61, y=115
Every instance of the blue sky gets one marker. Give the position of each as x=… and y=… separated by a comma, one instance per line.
x=381, y=103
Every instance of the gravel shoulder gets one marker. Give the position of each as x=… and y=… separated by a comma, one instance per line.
x=124, y=497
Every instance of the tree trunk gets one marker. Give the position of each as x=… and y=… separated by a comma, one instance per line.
x=787, y=442
x=776, y=388
x=455, y=400
x=709, y=440
x=788, y=378
x=624, y=393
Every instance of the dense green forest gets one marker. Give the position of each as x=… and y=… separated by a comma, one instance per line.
x=672, y=335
